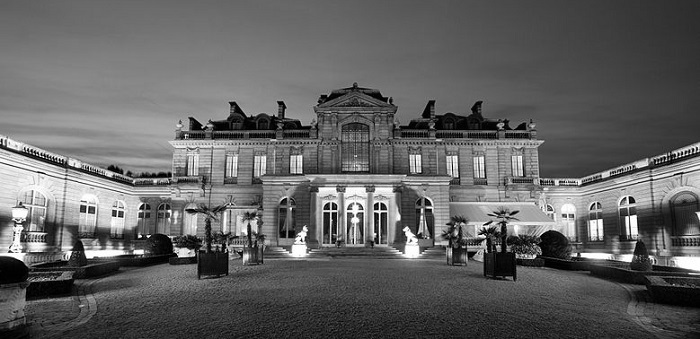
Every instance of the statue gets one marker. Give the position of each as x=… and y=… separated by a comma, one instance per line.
x=410, y=237
x=301, y=236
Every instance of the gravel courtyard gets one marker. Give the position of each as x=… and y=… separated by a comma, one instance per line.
x=355, y=298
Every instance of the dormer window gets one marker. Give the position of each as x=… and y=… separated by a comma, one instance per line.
x=473, y=124
x=449, y=123
x=263, y=124
x=236, y=124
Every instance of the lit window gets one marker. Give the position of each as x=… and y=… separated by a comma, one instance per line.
x=381, y=222
x=479, y=167
x=415, y=162
x=36, y=204
x=517, y=165
x=330, y=224
x=628, y=218
x=287, y=218
x=355, y=147
x=230, y=221
x=425, y=221
x=88, y=217
x=231, y=169
x=568, y=218
x=190, y=220
x=144, y=215
x=296, y=164
x=117, y=222
x=453, y=165
x=163, y=219
x=549, y=210
x=260, y=165
x=193, y=163
x=595, y=222
x=683, y=208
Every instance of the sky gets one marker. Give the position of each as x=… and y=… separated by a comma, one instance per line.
x=606, y=82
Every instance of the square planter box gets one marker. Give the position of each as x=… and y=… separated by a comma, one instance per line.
x=500, y=265
x=212, y=263
x=253, y=255
x=456, y=256
x=44, y=284
x=674, y=290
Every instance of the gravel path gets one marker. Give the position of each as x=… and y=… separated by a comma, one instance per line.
x=360, y=298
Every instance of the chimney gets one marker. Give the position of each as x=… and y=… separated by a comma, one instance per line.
x=429, y=111
x=234, y=107
x=476, y=109
x=281, y=107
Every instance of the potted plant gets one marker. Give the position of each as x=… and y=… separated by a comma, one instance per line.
x=490, y=233
x=251, y=251
x=456, y=250
x=210, y=263
x=501, y=264
x=524, y=246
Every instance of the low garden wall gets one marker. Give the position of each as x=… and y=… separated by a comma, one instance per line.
x=674, y=290
x=91, y=270
x=44, y=284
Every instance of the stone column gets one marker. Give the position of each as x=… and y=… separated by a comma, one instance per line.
x=314, y=230
x=342, y=229
x=398, y=222
x=369, y=229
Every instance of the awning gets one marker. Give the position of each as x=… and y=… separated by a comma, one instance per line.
x=477, y=212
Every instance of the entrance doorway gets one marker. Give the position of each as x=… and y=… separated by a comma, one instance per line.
x=355, y=227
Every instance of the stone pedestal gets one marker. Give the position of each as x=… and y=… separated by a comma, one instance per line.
x=412, y=250
x=299, y=250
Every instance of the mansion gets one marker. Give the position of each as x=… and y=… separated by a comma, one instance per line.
x=353, y=174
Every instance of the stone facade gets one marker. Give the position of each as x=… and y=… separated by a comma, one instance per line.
x=353, y=174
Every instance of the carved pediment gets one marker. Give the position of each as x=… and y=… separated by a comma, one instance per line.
x=355, y=99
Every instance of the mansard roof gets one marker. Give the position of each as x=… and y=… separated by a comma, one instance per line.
x=450, y=120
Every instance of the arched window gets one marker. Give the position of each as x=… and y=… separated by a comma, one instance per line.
x=117, y=223
x=425, y=221
x=88, y=216
x=628, y=218
x=355, y=147
x=448, y=123
x=190, y=220
x=595, y=222
x=163, y=219
x=287, y=218
x=549, y=211
x=568, y=219
x=144, y=216
x=683, y=208
x=381, y=221
x=236, y=123
x=330, y=223
x=37, y=205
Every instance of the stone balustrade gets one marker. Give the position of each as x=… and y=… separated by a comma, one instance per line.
x=685, y=240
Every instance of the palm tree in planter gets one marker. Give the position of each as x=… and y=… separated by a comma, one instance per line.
x=490, y=233
x=456, y=251
x=210, y=263
x=251, y=253
x=503, y=263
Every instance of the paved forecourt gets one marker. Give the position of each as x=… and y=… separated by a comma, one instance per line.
x=355, y=298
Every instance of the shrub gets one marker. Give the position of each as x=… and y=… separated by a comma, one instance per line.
x=524, y=245
x=12, y=270
x=555, y=245
x=77, y=256
x=158, y=244
x=640, y=259
x=188, y=241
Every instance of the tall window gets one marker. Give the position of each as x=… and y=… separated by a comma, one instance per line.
x=517, y=165
x=479, y=167
x=425, y=221
x=415, y=162
x=381, y=221
x=330, y=223
x=549, y=211
x=355, y=147
x=287, y=218
x=193, y=162
x=259, y=165
x=568, y=218
x=296, y=162
x=231, y=170
x=230, y=221
x=595, y=222
x=144, y=216
x=628, y=218
x=117, y=223
x=163, y=218
x=683, y=208
x=453, y=165
x=189, y=220
x=36, y=203
x=88, y=216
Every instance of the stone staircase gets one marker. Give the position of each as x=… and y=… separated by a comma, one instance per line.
x=276, y=252
x=436, y=252
x=377, y=252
